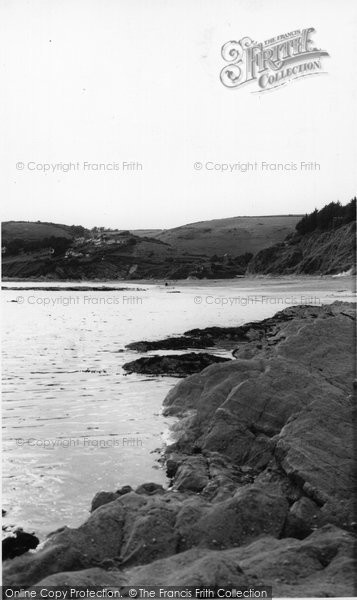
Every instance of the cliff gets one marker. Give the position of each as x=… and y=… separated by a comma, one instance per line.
x=318, y=252
x=262, y=476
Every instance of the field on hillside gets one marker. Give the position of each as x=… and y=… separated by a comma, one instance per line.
x=32, y=231
x=146, y=232
x=235, y=235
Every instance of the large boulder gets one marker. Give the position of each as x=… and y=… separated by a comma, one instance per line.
x=192, y=474
x=251, y=512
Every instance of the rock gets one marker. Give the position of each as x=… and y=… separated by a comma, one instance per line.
x=316, y=451
x=137, y=529
x=262, y=476
x=319, y=566
x=175, y=365
x=304, y=516
x=237, y=424
x=318, y=563
x=100, y=537
x=258, y=411
x=134, y=501
x=102, y=498
x=195, y=567
x=250, y=513
x=320, y=344
x=95, y=576
x=125, y=489
x=173, y=343
x=204, y=392
x=225, y=478
x=172, y=464
x=18, y=544
x=150, y=489
x=151, y=535
x=192, y=567
x=28, y=569
x=225, y=337
x=192, y=475
x=308, y=568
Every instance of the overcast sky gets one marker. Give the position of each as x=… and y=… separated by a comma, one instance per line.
x=107, y=81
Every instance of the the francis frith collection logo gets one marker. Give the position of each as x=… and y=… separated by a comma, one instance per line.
x=271, y=63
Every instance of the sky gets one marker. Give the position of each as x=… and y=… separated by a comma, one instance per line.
x=137, y=81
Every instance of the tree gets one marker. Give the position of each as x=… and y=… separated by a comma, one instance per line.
x=330, y=216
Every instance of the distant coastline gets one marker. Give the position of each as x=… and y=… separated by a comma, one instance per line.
x=322, y=243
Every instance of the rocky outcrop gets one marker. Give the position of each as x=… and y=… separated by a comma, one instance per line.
x=223, y=337
x=319, y=566
x=184, y=342
x=290, y=406
x=174, y=365
x=262, y=476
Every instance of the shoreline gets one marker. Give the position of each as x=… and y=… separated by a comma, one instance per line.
x=72, y=288
x=8, y=285
x=186, y=281
x=236, y=460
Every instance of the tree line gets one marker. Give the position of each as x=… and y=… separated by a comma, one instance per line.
x=329, y=217
x=59, y=245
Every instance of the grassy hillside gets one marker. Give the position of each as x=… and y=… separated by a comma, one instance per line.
x=140, y=258
x=210, y=249
x=235, y=235
x=33, y=231
x=146, y=232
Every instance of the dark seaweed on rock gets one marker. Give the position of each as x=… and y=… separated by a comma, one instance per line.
x=18, y=544
x=173, y=343
x=174, y=365
x=224, y=337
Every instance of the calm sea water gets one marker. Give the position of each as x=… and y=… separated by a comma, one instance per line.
x=73, y=422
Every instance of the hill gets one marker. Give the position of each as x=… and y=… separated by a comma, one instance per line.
x=210, y=249
x=235, y=235
x=323, y=243
x=35, y=231
x=96, y=255
x=146, y=232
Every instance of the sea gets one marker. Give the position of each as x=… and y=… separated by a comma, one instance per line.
x=73, y=422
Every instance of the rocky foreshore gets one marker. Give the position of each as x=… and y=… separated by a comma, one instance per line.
x=173, y=365
x=262, y=477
